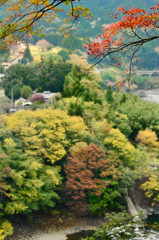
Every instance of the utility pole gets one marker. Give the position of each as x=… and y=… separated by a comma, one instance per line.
x=51, y=101
x=155, y=64
x=12, y=97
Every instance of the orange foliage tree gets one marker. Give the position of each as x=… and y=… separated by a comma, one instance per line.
x=84, y=171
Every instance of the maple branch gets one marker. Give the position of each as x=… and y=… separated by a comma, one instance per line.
x=131, y=33
x=125, y=46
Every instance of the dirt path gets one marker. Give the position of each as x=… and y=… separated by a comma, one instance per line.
x=60, y=235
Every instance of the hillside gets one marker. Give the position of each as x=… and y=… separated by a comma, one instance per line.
x=74, y=139
x=86, y=29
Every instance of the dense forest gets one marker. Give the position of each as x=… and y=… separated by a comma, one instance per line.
x=83, y=149
x=84, y=152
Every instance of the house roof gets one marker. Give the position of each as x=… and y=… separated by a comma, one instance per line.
x=46, y=94
x=6, y=64
x=21, y=99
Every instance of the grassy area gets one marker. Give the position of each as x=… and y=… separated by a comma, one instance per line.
x=35, y=51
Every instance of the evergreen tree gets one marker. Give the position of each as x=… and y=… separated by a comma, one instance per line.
x=124, y=98
x=64, y=54
x=27, y=57
x=109, y=94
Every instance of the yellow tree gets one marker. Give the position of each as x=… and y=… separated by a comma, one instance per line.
x=149, y=141
x=46, y=133
x=119, y=143
x=2, y=235
x=151, y=188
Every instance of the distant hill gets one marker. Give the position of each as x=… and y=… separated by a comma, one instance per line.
x=101, y=8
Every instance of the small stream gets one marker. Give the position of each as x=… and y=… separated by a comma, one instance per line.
x=61, y=235
x=79, y=235
x=149, y=95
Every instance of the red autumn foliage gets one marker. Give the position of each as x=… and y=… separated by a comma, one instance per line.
x=130, y=33
x=84, y=174
x=38, y=97
x=114, y=35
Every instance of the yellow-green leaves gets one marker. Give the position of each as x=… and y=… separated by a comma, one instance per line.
x=19, y=178
x=5, y=229
x=45, y=133
x=53, y=175
x=151, y=188
x=9, y=143
x=34, y=166
x=118, y=142
x=15, y=208
x=2, y=235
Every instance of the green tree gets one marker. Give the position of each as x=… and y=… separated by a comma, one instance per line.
x=27, y=57
x=111, y=197
x=31, y=185
x=72, y=42
x=109, y=94
x=16, y=91
x=120, y=121
x=52, y=74
x=80, y=83
x=64, y=54
x=26, y=91
x=109, y=75
x=46, y=75
x=20, y=74
x=141, y=114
